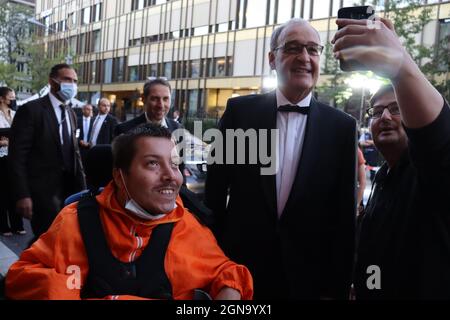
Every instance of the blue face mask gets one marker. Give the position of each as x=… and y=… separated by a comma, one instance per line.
x=67, y=91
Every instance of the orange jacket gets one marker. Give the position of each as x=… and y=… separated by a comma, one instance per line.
x=193, y=258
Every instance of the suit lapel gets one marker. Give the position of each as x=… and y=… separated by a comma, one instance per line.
x=307, y=158
x=268, y=120
x=52, y=120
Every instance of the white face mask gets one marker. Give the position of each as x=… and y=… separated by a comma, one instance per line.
x=132, y=206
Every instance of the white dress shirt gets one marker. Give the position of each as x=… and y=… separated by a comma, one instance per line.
x=86, y=123
x=96, y=126
x=56, y=103
x=291, y=126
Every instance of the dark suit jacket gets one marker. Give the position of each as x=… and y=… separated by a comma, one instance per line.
x=81, y=128
x=36, y=163
x=133, y=123
x=106, y=133
x=308, y=252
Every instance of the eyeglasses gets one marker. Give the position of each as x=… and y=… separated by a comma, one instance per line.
x=377, y=111
x=295, y=48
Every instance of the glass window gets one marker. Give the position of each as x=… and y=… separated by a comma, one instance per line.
x=96, y=41
x=96, y=12
x=133, y=73
x=195, y=69
x=222, y=27
x=321, y=9
x=152, y=70
x=284, y=10
x=219, y=64
x=298, y=7
x=193, y=102
x=93, y=71
x=82, y=46
x=200, y=31
x=137, y=4
x=118, y=69
x=307, y=9
x=335, y=7
x=108, y=71
x=168, y=70
x=86, y=15
x=255, y=14
x=229, y=70
x=272, y=11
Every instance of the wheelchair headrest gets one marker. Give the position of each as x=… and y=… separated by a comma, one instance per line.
x=99, y=166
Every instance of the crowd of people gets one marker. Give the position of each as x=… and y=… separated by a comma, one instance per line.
x=301, y=233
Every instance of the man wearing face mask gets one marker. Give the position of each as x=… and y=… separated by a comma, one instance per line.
x=135, y=240
x=44, y=158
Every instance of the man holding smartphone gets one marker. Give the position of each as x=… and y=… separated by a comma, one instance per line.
x=404, y=247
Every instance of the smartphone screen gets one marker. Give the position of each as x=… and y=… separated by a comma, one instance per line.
x=361, y=12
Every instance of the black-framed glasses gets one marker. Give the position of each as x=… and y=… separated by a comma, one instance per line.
x=295, y=48
x=377, y=111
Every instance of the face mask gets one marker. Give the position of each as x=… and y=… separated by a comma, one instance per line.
x=67, y=90
x=135, y=208
x=12, y=104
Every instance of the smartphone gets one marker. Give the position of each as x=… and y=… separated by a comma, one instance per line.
x=361, y=12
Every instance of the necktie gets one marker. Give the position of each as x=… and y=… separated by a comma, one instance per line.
x=94, y=126
x=67, y=145
x=293, y=108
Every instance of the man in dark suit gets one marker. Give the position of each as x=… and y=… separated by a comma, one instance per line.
x=156, y=99
x=84, y=126
x=294, y=229
x=102, y=126
x=45, y=163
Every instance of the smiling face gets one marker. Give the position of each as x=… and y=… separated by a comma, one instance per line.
x=153, y=179
x=157, y=103
x=387, y=131
x=297, y=73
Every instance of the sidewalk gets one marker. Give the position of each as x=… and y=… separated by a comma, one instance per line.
x=11, y=248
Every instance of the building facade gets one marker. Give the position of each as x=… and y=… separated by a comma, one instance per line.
x=10, y=49
x=209, y=50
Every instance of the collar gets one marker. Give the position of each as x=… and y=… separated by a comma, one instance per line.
x=163, y=122
x=282, y=100
x=56, y=102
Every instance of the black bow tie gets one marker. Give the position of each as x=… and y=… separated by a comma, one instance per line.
x=293, y=108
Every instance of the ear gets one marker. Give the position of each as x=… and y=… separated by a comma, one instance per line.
x=272, y=60
x=117, y=178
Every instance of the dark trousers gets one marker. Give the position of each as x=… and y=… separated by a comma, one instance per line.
x=9, y=219
x=48, y=203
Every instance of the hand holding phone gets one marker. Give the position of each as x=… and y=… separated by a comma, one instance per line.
x=358, y=13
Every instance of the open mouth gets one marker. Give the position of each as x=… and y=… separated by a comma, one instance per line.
x=167, y=191
x=301, y=70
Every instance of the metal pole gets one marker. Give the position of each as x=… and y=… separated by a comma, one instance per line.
x=362, y=109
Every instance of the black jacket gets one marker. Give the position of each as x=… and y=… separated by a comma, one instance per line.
x=406, y=227
x=36, y=164
x=106, y=133
x=308, y=252
x=130, y=124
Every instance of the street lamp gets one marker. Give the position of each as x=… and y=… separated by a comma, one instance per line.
x=68, y=58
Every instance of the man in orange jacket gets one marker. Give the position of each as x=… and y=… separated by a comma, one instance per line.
x=134, y=240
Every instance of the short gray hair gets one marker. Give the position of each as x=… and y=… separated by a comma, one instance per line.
x=278, y=30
